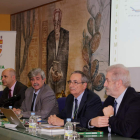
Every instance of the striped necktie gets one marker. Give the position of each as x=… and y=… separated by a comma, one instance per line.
x=76, y=109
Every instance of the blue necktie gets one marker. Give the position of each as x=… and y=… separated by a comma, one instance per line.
x=115, y=105
x=76, y=109
x=33, y=102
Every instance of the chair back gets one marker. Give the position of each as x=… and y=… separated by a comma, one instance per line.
x=61, y=103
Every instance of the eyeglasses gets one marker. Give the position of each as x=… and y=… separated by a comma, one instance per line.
x=74, y=82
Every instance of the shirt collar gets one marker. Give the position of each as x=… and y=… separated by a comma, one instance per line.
x=119, y=99
x=36, y=92
x=79, y=97
x=12, y=88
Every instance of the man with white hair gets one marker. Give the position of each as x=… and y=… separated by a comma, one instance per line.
x=121, y=111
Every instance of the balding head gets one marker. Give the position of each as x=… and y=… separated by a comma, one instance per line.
x=11, y=71
x=8, y=77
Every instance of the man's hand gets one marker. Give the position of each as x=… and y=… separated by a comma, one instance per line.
x=54, y=120
x=101, y=121
x=17, y=111
x=108, y=111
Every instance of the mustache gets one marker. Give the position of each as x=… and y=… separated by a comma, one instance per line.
x=35, y=84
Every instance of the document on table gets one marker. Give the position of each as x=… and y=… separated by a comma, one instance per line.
x=49, y=126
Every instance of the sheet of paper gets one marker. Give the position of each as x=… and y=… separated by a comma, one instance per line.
x=49, y=126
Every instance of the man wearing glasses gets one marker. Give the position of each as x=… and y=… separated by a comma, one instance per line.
x=81, y=105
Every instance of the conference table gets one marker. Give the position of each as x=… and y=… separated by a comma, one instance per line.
x=21, y=134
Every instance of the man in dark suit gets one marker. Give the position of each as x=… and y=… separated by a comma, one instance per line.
x=13, y=88
x=88, y=103
x=121, y=112
x=39, y=98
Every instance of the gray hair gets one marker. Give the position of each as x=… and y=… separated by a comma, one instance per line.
x=120, y=72
x=35, y=71
x=84, y=78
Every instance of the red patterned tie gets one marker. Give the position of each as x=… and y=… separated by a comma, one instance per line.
x=9, y=93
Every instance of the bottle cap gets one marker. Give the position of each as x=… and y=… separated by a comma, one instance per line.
x=68, y=119
x=32, y=113
x=10, y=107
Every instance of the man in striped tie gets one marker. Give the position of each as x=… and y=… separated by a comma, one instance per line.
x=81, y=105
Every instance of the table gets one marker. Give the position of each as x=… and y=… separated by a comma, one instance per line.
x=21, y=134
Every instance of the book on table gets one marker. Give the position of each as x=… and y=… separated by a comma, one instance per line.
x=85, y=131
x=91, y=136
x=50, y=129
x=91, y=133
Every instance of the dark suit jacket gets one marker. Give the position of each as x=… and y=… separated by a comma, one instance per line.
x=127, y=120
x=89, y=107
x=46, y=103
x=18, y=90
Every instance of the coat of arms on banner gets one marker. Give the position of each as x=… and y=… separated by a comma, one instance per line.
x=1, y=42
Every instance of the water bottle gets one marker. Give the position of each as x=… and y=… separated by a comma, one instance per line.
x=32, y=123
x=68, y=129
x=38, y=124
x=10, y=107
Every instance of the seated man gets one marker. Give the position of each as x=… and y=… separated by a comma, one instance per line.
x=124, y=118
x=13, y=88
x=81, y=105
x=39, y=98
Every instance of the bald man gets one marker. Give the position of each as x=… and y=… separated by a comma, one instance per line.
x=13, y=88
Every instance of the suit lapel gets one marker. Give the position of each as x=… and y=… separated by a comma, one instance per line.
x=70, y=106
x=83, y=100
x=6, y=94
x=123, y=102
x=15, y=88
x=39, y=94
x=29, y=101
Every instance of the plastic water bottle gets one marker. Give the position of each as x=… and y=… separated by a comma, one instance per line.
x=10, y=107
x=32, y=123
x=68, y=129
x=38, y=124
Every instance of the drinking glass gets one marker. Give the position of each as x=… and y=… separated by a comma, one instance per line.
x=75, y=134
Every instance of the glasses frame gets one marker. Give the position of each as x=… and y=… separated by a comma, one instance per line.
x=74, y=82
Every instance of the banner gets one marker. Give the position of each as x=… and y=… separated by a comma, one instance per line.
x=7, y=51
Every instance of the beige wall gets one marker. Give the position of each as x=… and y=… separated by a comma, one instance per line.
x=4, y=22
